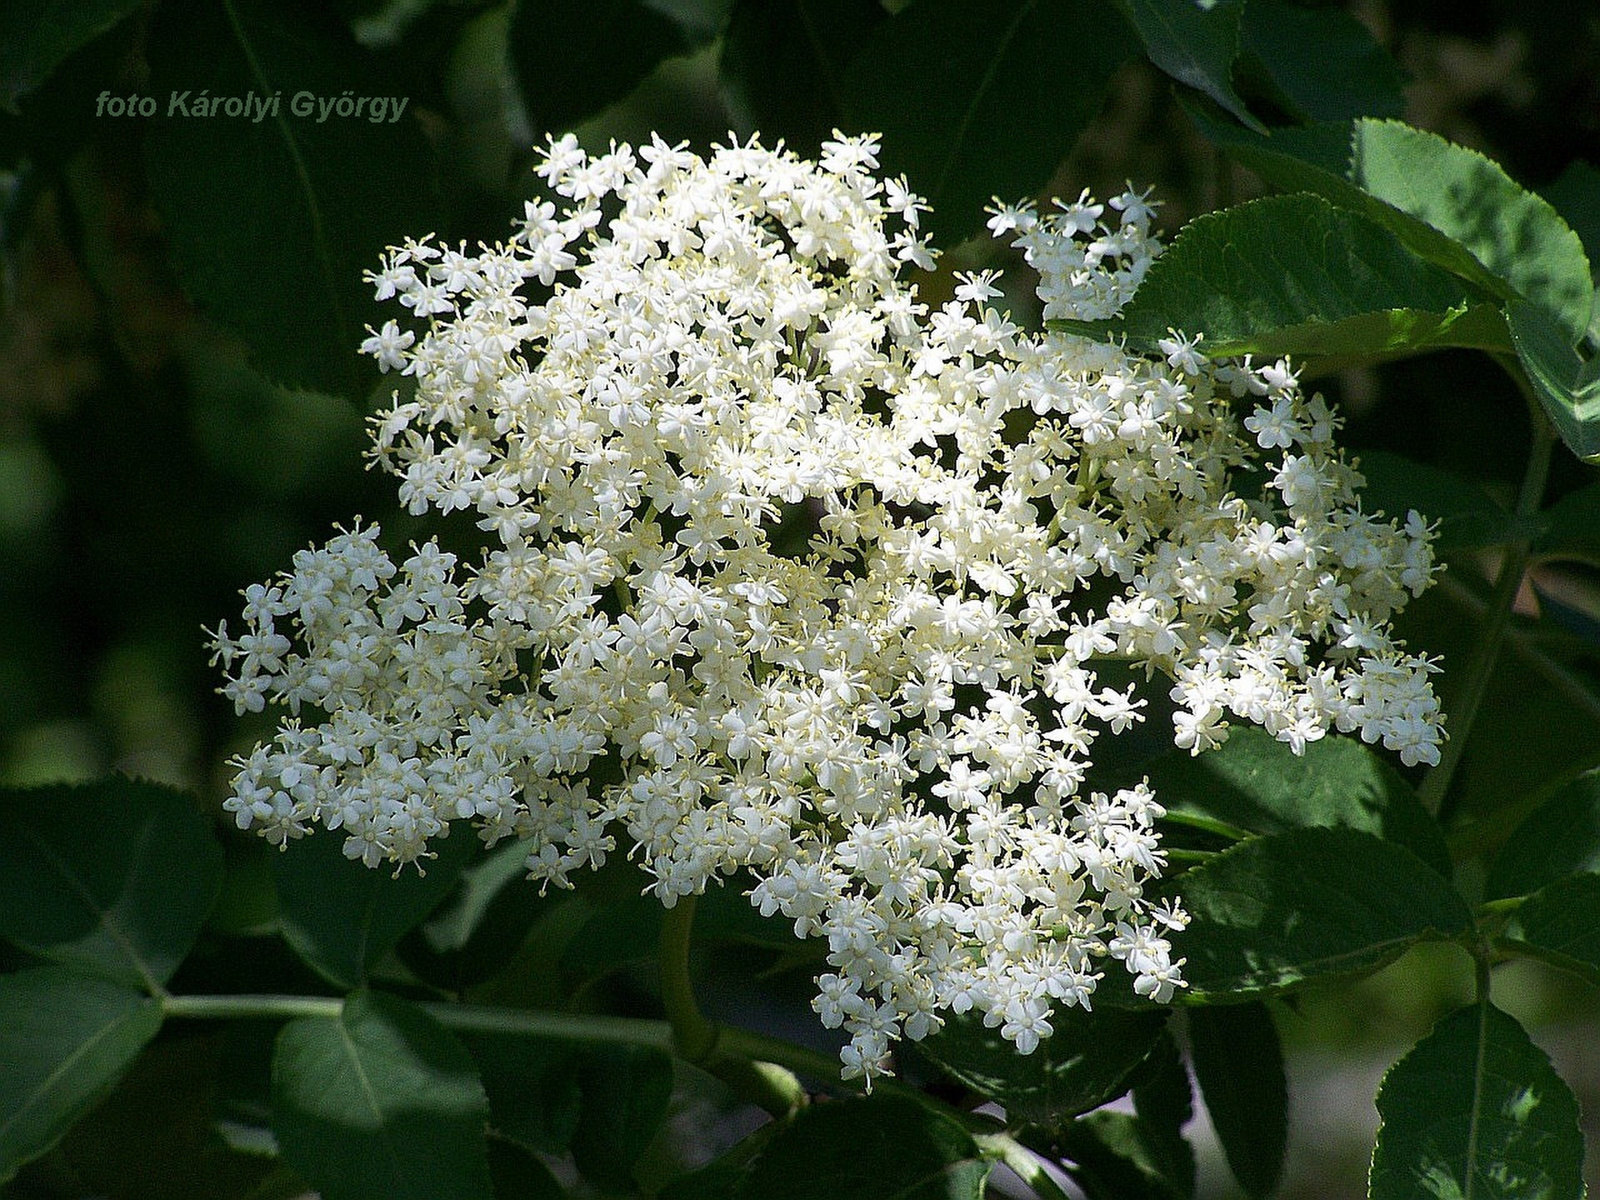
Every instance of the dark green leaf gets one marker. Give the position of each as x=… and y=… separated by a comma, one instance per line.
x=1274, y=912
x=1559, y=838
x=480, y=925
x=113, y=878
x=1322, y=63
x=1568, y=387
x=1572, y=527
x=519, y=1175
x=382, y=1102
x=1164, y=1103
x=1087, y=1061
x=272, y=222
x=65, y=1040
x=1296, y=275
x=1476, y=1110
x=534, y=1087
x=344, y=918
x=1256, y=783
x=783, y=65
x=1196, y=45
x=1239, y=1066
x=1115, y=1156
x=979, y=98
x=38, y=35
x=1450, y=205
x=1467, y=516
x=626, y=1090
x=1561, y=923
x=880, y=1147
x=576, y=57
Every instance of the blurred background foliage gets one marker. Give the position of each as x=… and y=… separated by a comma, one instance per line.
x=182, y=406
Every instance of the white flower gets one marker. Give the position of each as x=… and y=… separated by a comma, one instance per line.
x=788, y=574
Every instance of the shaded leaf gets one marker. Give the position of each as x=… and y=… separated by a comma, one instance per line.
x=1476, y=1110
x=979, y=98
x=480, y=925
x=344, y=918
x=39, y=35
x=783, y=63
x=1572, y=527
x=1274, y=912
x=1164, y=1103
x=626, y=1090
x=1561, y=924
x=1559, y=838
x=1196, y=44
x=273, y=221
x=1568, y=388
x=1467, y=516
x=114, y=878
x=65, y=1039
x=1088, y=1060
x=1256, y=783
x=1115, y=1156
x=382, y=1102
x=1239, y=1066
x=1297, y=275
x=519, y=1175
x=879, y=1147
x=1322, y=63
x=576, y=57
x=534, y=1088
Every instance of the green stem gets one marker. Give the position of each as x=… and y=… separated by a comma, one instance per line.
x=1474, y=685
x=695, y=1037
x=1023, y=1161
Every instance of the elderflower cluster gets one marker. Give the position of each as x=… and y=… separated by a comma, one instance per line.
x=790, y=574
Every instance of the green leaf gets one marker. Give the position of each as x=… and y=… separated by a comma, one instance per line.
x=1568, y=388
x=1088, y=1060
x=1296, y=275
x=39, y=35
x=1452, y=206
x=1576, y=196
x=576, y=57
x=979, y=98
x=382, y=1103
x=1322, y=63
x=1561, y=923
x=1239, y=1065
x=1559, y=838
x=626, y=1090
x=1196, y=44
x=1272, y=913
x=480, y=925
x=344, y=918
x=1467, y=516
x=534, y=1087
x=517, y=1173
x=783, y=63
x=1572, y=527
x=1475, y=1110
x=879, y=1147
x=114, y=878
x=272, y=222
x=1256, y=783
x=1116, y=1156
x=1164, y=1103
x=65, y=1040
